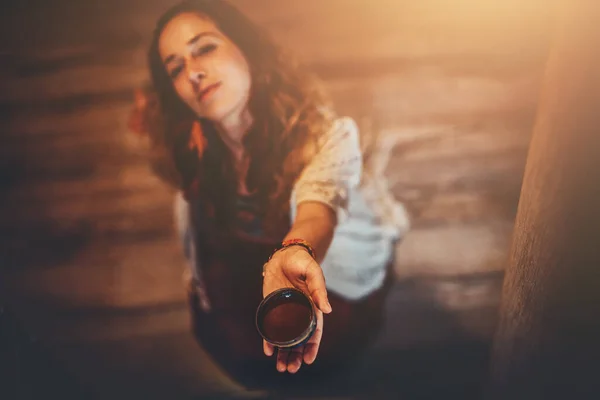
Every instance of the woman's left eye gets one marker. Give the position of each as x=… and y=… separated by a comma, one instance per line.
x=205, y=49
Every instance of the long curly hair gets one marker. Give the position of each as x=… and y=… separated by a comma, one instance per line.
x=288, y=108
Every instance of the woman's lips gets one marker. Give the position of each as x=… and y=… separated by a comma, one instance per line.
x=208, y=91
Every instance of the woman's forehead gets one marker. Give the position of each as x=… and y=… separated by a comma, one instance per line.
x=180, y=30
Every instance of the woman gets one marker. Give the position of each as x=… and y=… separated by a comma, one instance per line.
x=262, y=163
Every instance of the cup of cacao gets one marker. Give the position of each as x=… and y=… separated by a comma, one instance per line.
x=286, y=318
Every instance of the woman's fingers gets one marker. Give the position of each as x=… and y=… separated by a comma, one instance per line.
x=290, y=360
x=312, y=346
x=294, y=361
x=268, y=348
x=282, y=359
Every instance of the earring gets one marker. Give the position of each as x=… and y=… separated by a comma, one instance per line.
x=197, y=139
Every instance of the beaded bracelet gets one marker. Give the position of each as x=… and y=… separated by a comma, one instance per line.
x=289, y=243
x=298, y=242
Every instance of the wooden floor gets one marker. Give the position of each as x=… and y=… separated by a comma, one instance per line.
x=89, y=261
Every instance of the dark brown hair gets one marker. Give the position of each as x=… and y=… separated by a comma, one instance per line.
x=288, y=109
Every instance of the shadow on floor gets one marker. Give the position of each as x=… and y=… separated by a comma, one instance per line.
x=455, y=369
x=27, y=370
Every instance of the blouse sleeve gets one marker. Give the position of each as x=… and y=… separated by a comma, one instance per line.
x=334, y=170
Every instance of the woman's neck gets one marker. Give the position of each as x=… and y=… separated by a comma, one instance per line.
x=233, y=130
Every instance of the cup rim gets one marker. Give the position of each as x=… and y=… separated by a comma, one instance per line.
x=305, y=334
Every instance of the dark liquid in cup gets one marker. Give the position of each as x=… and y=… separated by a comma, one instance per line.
x=286, y=319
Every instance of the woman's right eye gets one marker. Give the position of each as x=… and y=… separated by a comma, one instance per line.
x=175, y=71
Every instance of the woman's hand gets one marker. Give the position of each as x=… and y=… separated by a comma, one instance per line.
x=295, y=267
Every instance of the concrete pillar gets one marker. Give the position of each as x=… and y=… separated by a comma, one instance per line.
x=548, y=340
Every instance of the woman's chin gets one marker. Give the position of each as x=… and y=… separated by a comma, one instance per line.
x=211, y=113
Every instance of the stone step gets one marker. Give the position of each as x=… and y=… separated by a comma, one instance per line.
x=466, y=170
x=454, y=249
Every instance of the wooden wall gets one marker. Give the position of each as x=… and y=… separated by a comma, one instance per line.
x=452, y=88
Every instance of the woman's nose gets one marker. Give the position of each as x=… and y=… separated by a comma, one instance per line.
x=196, y=76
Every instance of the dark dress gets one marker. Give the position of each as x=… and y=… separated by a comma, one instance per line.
x=231, y=271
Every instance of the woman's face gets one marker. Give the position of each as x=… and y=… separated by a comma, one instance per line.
x=208, y=71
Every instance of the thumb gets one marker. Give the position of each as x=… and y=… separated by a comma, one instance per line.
x=315, y=281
